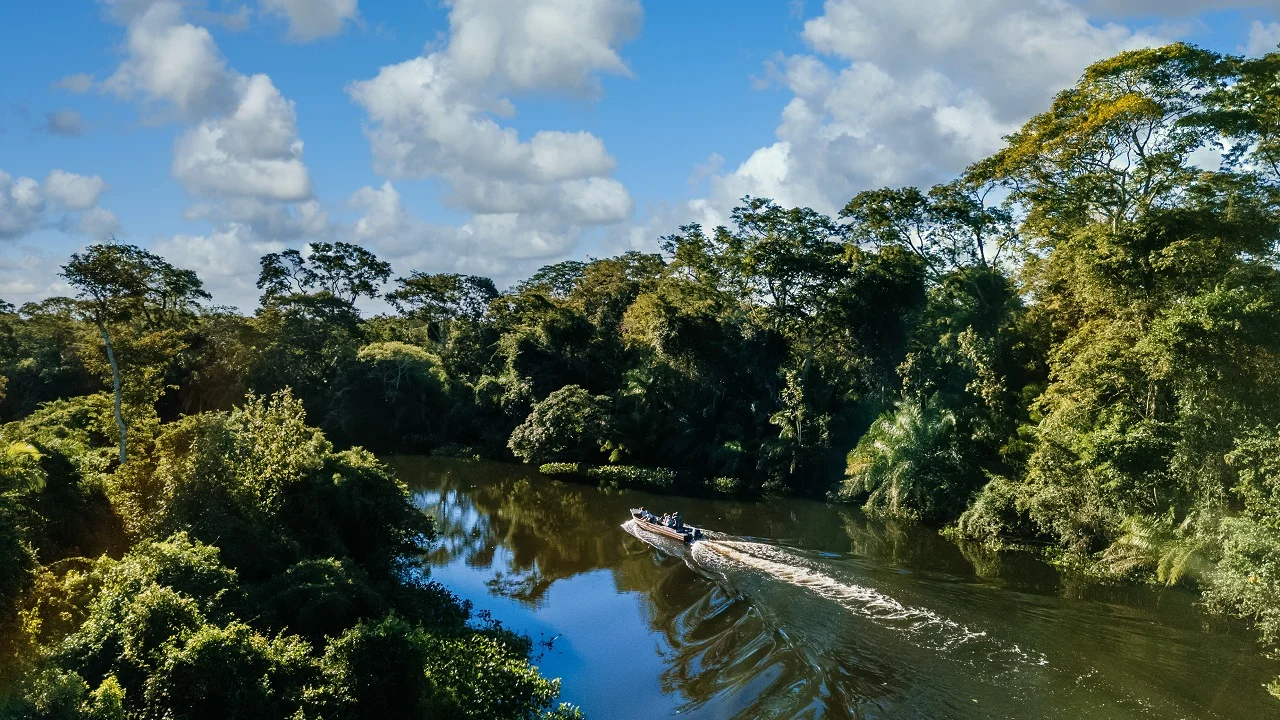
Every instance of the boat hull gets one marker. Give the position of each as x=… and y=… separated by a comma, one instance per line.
x=687, y=536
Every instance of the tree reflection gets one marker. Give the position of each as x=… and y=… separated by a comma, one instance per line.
x=716, y=646
x=546, y=530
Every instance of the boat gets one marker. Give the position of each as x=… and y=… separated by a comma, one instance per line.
x=685, y=533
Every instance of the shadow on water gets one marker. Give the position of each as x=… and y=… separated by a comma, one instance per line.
x=796, y=609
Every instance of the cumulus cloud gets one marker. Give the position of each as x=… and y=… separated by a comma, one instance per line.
x=279, y=221
x=22, y=205
x=240, y=154
x=66, y=201
x=1141, y=8
x=28, y=274
x=252, y=152
x=545, y=45
x=226, y=259
x=438, y=116
x=911, y=92
x=313, y=19
x=503, y=246
x=1263, y=38
x=173, y=61
x=72, y=191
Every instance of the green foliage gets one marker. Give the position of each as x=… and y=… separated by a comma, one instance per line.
x=909, y=466
x=1072, y=344
x=337, y=270
x=269, y=490
x=395, y=394
x=729, y=486
x=562, y=469
x=994, y=514
x=282, y=591
x=392, y=669
x=568, y=425
x=626, y=476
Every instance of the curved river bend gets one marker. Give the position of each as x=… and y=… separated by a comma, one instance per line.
x=793, y=609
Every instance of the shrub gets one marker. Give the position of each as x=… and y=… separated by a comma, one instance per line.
x=633, y=477
x=562, y=469
x=726, y=485
x=993, y=514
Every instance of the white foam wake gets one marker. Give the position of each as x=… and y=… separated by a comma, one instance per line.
x=925, y=627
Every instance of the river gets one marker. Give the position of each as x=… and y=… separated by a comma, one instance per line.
x=796, y=609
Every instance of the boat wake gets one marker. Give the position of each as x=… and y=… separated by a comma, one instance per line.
x=922, y=627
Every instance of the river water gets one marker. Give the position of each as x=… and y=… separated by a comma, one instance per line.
x=795, y=609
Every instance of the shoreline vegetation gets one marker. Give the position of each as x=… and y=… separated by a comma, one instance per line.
x=1072, y=346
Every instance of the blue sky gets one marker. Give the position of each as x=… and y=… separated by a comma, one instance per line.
x=494, y=136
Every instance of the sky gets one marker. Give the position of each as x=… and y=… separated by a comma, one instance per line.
x=492, y=137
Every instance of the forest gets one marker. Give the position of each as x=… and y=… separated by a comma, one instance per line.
x=1073, y=348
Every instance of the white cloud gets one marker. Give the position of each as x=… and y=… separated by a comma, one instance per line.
x=504, y=246
x=544, y=45
x=1263, y=38
x=313, y=19
x=253, y=152
x=28, y=274
x=267, y=219
x=1141, y=8
x=226, y=260
x=173, y=61
x=66, y=201
x=438, y=117
x=72, y=191
x=22, y=205
x=97, y=223
x=911, y=92
x=240, y=154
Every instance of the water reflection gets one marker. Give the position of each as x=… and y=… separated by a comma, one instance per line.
x=800, y=610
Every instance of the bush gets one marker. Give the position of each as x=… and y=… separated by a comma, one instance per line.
x=303, y=608
x=726, y=485
x=629, y=476
x=993, y=514
x=392, y=669
x=562, y=469
x=394, y=397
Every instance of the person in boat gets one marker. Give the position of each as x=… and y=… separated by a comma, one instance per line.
x=676, y=522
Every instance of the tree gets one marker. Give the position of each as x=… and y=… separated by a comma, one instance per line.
x=951, y=226
x=568, y=425
x=121, y=284
x=443, y=298
x=556, y=280
x=341, y=270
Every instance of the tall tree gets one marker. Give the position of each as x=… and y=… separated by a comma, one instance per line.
x=341, y=270
x=440, y=299
x=120, y=284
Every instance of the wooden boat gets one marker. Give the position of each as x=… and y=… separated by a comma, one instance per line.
x=686, y=534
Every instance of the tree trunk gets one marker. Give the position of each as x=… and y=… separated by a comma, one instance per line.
x=115, y=384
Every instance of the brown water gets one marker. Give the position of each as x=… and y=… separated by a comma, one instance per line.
x=798, y=609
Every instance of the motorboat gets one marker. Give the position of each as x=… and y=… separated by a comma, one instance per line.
x=675, y=530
